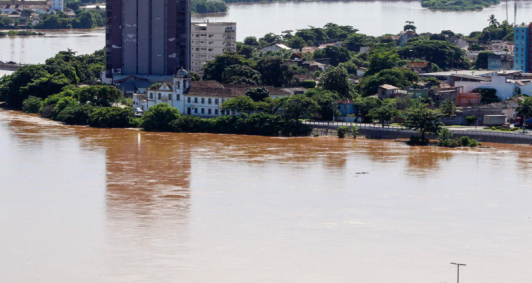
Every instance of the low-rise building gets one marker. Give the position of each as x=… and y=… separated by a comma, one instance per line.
x=467, y=99
x=275, y=47
x=389, y=91
x=199, y=98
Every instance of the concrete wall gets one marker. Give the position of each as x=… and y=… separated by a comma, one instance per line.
x=143, y=61
x=129, y=37
x=158, y=35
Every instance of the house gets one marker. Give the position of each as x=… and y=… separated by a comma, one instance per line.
x=504, y=84
x=389, y=91
x=420, y=67
x=468, y=99
x=361, y=71
x=500, y=45
x=308, y=49
x=445, y=77
x=418, y=93
x=199, y=98
x=500, y=62
x=346, y=107
x=405, y=36
x=133, y=84
x=275, y=47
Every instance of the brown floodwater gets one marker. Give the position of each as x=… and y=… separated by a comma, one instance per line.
x=119, y=205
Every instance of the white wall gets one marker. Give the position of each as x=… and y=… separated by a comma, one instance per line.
x=504, y=90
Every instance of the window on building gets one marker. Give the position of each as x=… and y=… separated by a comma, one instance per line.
x=216, y=101
x=159, y=96
x=463, y=100
x=215, y=111
x=188, y=99
x=151, y=95
x=223, y=112
x=195, y=100
x=209, y=111
x=209, y=101
x=202, y=100
x=177, y=97
x=170, y=96
x=196, y=110
x=178, y=85
x=202, y=110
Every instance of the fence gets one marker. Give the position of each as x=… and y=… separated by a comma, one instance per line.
x=388, y=131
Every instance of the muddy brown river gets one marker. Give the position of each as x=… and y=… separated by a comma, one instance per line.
x=119, y=205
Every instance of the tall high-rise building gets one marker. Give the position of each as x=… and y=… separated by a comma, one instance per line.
x=522, y=48
x=209, y=39
x=147, y=37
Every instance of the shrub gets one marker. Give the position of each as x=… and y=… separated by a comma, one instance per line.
x=46, y=111
x=343, y=131
x=32, y=104
x=76, y=114
x=471, y=119
x=415, y=140
x=308, y=84
x=62, y=104
x=158, y=118
x=112, y=117
x=354, y=131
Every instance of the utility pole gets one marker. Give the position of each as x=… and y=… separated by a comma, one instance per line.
x=458, y=270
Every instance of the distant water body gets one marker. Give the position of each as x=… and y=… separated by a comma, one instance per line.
x=370, y=17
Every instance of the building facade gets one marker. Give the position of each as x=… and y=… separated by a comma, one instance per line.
x=209, y=39
x=522, y=48
x=147, y=37
x=57, y=5
x=198, y=98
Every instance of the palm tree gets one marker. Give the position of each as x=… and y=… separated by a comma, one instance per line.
x=493, y=21
x=525, y=110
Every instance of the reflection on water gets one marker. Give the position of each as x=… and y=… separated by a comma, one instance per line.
x=108, y=205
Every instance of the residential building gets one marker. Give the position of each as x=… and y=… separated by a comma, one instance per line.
x=446, y=77
x=468, y=99
x=500, y=45
x=209, y=39
x=57, y=5
x=147, y=37
x=389, y=91
x=505, y=84
x=309, y=49
x=275, y=47
x=199, y=98
x=522, y=48
x=405, y=36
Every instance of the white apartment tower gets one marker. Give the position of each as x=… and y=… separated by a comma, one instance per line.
x=57, y=5
x=209, y=39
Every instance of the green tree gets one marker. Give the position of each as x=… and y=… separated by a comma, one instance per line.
x=239, y=105
x=336, y=54
x=383, y=113
x=32, y=104
x=379, y=61
x=471, y=119
x=442, y=53
x=482, y=59
x=336, y=79
x=101, y=95
x=493, y=21
x=357, y=40
x=158, y=117
x=327, y=101
x=251, y=40
x=275, y=72
x=258, y=94
x=299, y=106
x=422, y=120
x=447, y=108
x=297, y=42
x=76, y=114
x=214, y=69
x=236, y=73
x=365, y=104
x=116, y=117
x=397, y=77
x=525, y=110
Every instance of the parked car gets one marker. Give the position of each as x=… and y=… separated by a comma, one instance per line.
x=138, y=112
x=12, y=63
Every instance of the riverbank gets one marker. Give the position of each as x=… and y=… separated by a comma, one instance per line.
x=376, y=132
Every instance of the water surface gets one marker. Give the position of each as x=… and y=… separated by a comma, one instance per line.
x=93, y=205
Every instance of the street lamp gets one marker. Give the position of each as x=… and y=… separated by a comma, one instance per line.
x=458, y=270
